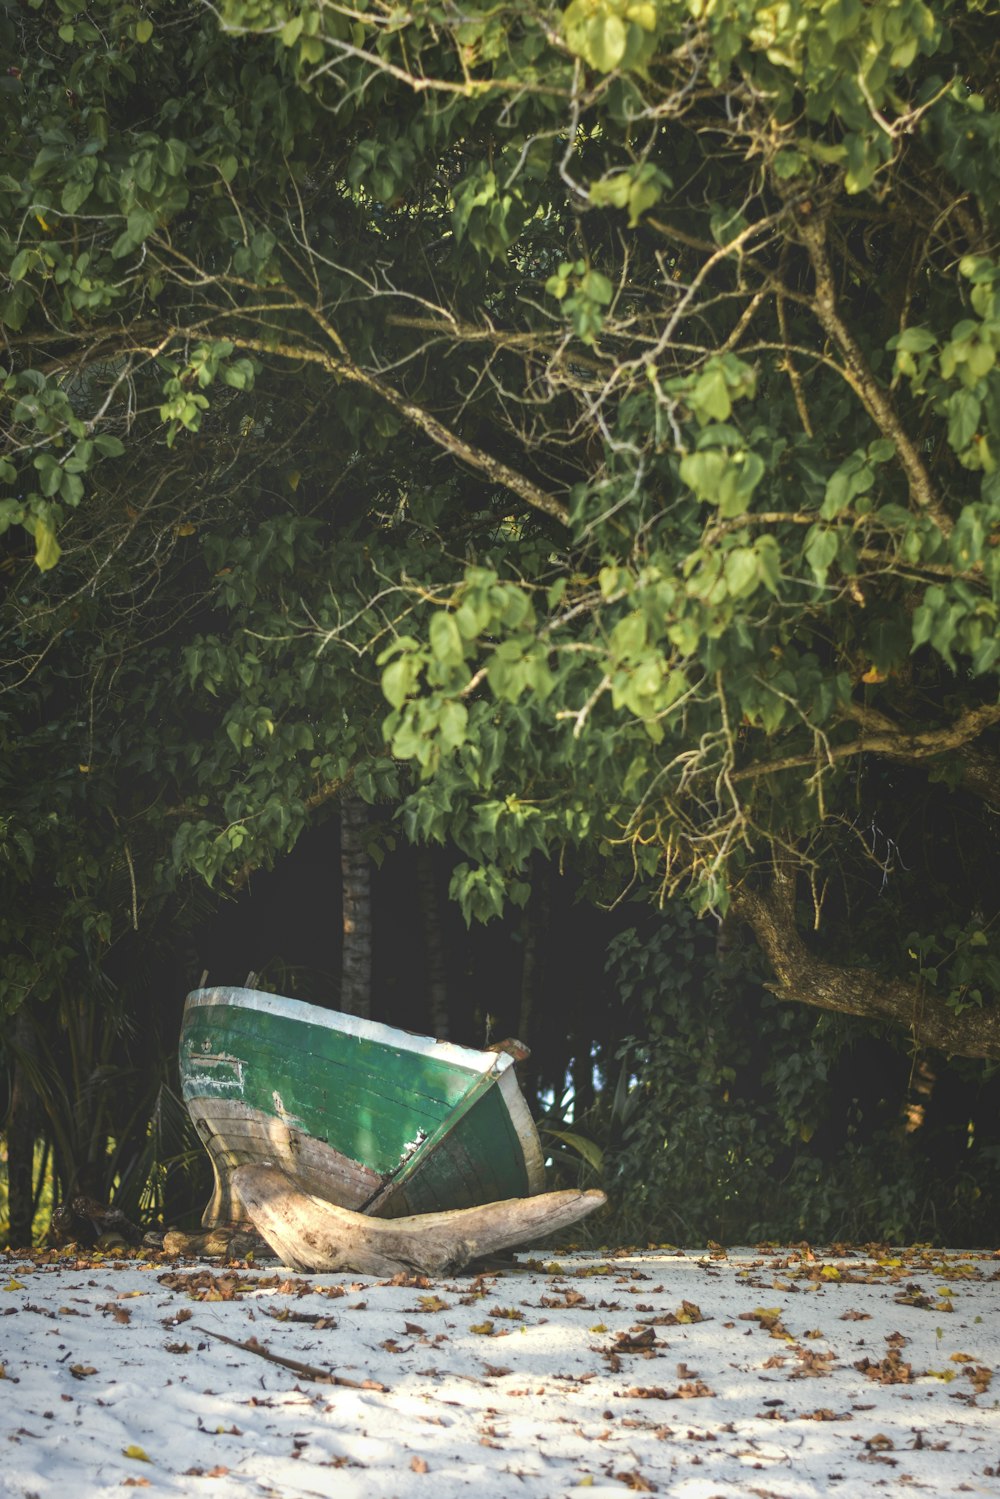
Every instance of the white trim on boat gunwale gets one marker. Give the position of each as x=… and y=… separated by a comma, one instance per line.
x=368, y=1030
x=526, y=1131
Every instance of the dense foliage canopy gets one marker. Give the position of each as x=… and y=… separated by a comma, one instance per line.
x=577, y=427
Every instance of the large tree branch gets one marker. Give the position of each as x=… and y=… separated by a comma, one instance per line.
x=494, y=469
x=878, y=403
x=339, y=362
x=800, y=975
x=980, y=771
x=881, y=736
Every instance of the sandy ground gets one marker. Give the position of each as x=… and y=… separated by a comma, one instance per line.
x=774, y=1373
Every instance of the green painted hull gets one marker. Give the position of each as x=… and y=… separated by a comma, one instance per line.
x=358, y=1113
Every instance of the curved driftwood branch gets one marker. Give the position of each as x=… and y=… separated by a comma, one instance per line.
x=309, y=1234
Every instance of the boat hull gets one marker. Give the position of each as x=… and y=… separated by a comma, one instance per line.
x=360, y=1114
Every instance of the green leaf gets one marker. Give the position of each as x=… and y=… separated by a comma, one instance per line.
x=629, y=636
x=75, y=194
x=15, y=306
x=769, y=562
x=726, y=224
x=452, y=724
x=964, y=411
x=741, y=571
x=47, y=549
x=139, y=224
x=855, y=476
x=820, y=550
x=613, y=192
x=606, y=42
x=50, y=474
x=446, y=639
x=71, y=488
x=21, y=263
x=915, y=340
x=789, y=163
x=710, y=397
x=863, y=160
x=587, y=1148
x=740, y=479
x=399, y=678
x=597, y=287
x=703, y=472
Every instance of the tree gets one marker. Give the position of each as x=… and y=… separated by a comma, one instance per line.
x=356, y=899
x=771, y=623
x=611, y=387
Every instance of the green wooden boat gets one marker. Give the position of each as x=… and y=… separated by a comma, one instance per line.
x=360, y=1114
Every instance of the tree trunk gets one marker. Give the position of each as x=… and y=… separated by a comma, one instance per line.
x=356, y=888
x=582, y=1069
x=22, y=1125
x=309, y=1234
x=981, y=775
x=534, y=924
x=800, y=975
x=437, y=970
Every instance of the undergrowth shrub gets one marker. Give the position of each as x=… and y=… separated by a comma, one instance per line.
x=744, y=1118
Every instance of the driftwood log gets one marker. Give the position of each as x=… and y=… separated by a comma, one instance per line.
x=230, y=1241
x=309, y=1234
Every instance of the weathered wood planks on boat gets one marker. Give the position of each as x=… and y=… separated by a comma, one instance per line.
x=359, y=1114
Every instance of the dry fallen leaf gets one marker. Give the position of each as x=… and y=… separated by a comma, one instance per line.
x=693, y=1389
x=813, y=1364
x=635, y=1342
x=636, y=1482
x=689, y=1312
x=891, y=1369
x=184, y=1315
x=418, y=1464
